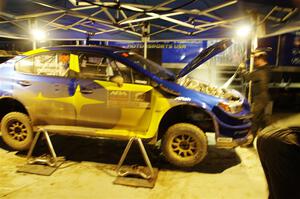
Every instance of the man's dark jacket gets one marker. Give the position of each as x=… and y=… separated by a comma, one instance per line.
x=260, y=83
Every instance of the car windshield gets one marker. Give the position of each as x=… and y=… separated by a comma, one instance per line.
x=11, y=61
x=151, y=66
x=15, y=59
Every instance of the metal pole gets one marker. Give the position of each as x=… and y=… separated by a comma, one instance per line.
x=245, y=58
x=31, y=26
x=145, y=39
x=33, y=44
x=145, y=156
x=35, y=139
x=124, y=154
x=278, y=50
x=50, y=146
x=253, y=47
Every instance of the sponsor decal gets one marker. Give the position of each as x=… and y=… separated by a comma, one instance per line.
x=126, y=99
x=224, y=139
x=184, y=99
x=141, y=96
x=116, y=95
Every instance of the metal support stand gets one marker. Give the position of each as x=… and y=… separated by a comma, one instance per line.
x=45, y=164
x=50, y=161
x=147, y=175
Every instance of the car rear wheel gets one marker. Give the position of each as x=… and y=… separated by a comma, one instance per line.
x=17, y=130
x=184, y=145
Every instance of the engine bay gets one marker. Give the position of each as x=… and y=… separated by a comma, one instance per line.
x=207, y=89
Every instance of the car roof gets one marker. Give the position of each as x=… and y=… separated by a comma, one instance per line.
x=110, y=49
x=95, y=49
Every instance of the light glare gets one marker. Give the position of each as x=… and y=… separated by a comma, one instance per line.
x=243, y=31
x=38, y=34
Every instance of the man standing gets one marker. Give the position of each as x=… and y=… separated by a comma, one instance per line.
x=260, y=84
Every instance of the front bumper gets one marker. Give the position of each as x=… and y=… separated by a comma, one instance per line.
x=234, y=131
x=227, y=142
x=235, y=126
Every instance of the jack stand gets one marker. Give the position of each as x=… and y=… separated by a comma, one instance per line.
x=143, y=177
x=46, y=164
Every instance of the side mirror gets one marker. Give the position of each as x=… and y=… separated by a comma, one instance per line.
x=118, y=79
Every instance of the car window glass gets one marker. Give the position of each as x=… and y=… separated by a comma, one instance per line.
x=95, y=66
x=56, y=64
x=122, y=70
x=25, y=65
x=49, y=64
x=150, y=66
x=129, y=75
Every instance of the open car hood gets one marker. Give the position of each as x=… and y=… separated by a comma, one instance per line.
x=205, y=55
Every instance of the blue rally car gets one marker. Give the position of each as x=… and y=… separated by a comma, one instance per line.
x=115, y=93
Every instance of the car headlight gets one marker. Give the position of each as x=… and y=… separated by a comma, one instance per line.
x=230, y=107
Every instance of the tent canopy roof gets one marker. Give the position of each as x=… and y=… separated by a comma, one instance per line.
x=134, y=19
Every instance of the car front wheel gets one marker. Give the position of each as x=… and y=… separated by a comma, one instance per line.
x=17, y=130
x=184, y=145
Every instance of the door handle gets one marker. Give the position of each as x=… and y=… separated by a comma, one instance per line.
x=56, y=87
x=86, y=91
x=24, y=83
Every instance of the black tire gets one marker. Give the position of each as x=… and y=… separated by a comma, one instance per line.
x=184, y=145
x=17, y=131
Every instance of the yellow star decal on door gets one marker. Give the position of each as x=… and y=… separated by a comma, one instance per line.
x=77, y=99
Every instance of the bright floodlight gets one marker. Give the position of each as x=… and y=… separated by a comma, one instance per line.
x=243, y=31
x=38, y=34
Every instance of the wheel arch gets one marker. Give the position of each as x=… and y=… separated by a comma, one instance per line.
x=190, y=114
x=9, y=104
